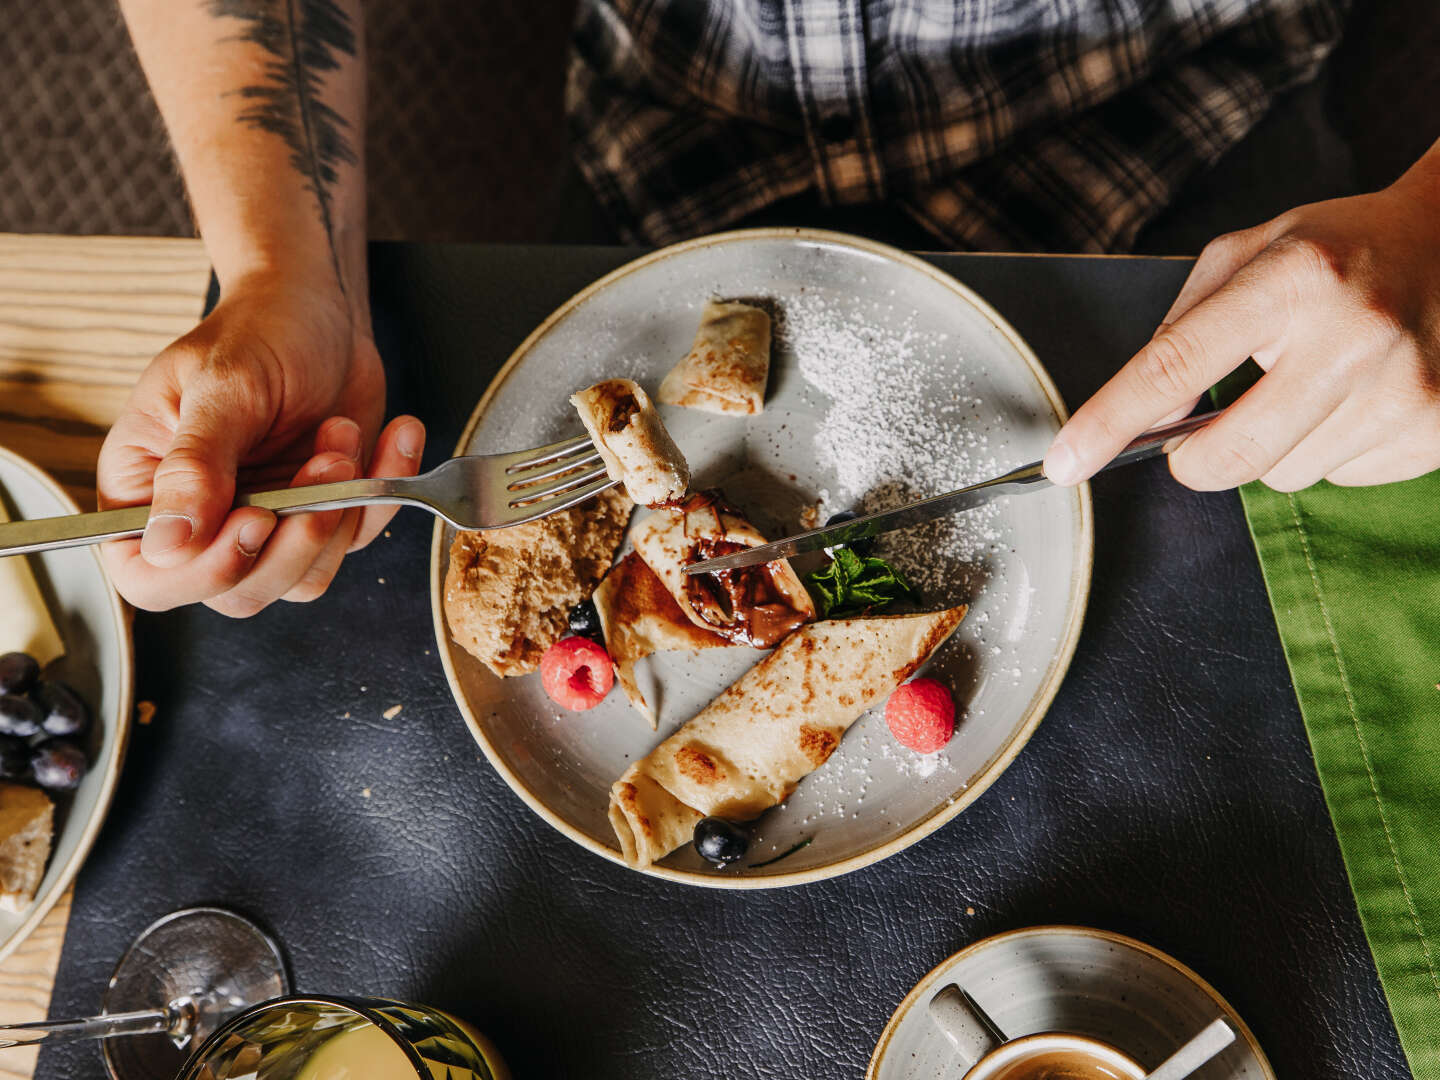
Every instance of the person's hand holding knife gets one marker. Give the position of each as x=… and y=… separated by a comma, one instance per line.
x=1339, y=303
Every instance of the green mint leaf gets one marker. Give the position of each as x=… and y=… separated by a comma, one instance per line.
x=850, y=585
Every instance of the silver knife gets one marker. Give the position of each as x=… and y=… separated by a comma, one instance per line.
x=1030, y=477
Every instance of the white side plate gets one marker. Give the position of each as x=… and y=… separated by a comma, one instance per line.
x=99, y=663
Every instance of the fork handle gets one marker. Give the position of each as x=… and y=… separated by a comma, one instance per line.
x=77, y=530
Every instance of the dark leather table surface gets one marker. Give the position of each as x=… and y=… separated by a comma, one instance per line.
x=1169, y=794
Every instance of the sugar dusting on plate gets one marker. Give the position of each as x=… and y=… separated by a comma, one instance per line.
x=885, y=440
x=883, y=449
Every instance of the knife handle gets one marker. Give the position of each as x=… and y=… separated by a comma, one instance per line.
x=1162, y=440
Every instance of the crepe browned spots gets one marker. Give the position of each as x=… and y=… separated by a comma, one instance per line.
x=728, y=365
x=633, y=442
x=638, y=617
x=747, y=750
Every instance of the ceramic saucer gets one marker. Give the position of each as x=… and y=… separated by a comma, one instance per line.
x=1068, y=978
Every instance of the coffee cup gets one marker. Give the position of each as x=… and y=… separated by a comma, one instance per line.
x=988, y=1054
x=1055, y=1055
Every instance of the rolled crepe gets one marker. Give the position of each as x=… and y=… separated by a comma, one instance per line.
x=728, y=364
x=638, y=617
x=633, y=442
x=747, y=750
x=755, y=605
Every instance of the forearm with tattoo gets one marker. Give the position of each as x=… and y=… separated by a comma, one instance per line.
x=303, y=38
x=264, y=101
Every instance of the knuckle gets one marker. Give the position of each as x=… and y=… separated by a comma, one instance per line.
x=1326, y=265
x=306, y=591
x=317, y=529
x=185, y=466
x=1244, y=453
x=1215, y=464
x=1168, y=366
x=1309, y=257
x=313, y=583
x=1223, y=248
x=239, y=603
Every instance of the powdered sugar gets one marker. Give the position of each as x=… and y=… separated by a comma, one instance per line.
x=887, y=440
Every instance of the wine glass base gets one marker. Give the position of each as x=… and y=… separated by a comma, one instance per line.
x=208, y=962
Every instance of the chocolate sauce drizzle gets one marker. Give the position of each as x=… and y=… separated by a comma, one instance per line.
x=745, y=605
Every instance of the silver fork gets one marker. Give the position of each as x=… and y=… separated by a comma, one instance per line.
x=488, y=491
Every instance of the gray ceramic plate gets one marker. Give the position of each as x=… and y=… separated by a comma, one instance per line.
x=889, y=380
x=99, y=663
x=1074, y=979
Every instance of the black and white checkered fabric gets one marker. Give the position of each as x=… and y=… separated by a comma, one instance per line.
x=1018, y=125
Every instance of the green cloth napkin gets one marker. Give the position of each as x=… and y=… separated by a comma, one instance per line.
x=1354, y=580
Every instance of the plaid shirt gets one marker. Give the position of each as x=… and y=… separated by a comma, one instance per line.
x=997, y=124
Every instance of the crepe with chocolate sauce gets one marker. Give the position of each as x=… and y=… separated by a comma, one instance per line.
x=638, y=616
x=747, y=750
x=633, y=442
x=728, y=365
x=754, y=605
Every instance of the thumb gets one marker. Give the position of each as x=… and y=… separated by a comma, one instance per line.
x=194, y=484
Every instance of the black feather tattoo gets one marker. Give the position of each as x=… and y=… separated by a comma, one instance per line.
x=305, y=38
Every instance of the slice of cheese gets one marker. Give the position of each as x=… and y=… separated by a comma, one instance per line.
x=25, y=622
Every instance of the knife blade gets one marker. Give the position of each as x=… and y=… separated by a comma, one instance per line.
x=1029, y=477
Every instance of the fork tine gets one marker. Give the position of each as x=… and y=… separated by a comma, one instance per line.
x=534, y=511
x=542, y=455
x=520, y=481
x=568, y=482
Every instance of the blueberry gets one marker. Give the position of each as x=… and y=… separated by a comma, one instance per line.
x=18, y=672
x=14, y=758
x=859, y=547
x=19, y=716
x=585, y=620
x=719, y=841
x=61, y=708
x=58, y=765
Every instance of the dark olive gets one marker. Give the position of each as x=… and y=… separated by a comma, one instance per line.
x=19, y=716
x=18, y=672
x=63, y=712
x=719, y=841
x=58, y=765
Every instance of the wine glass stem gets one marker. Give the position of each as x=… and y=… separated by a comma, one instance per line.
x=90, y=1027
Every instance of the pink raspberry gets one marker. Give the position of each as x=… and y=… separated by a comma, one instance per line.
x=921, y=715
x=577, y=674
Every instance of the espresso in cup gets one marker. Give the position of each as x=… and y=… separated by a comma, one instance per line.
x=1055, y=1056
x=1071, y=1064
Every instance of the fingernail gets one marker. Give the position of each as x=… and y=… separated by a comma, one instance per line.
x=344, y=438
x=1061, y=465
x=410, y=440
x=165, y=532
x=253, y=534
x=336, y=471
